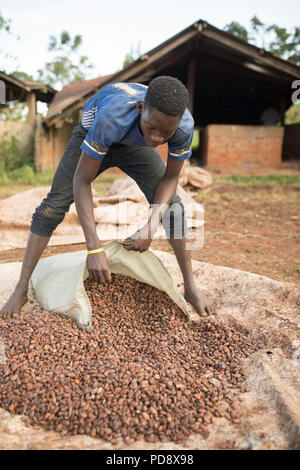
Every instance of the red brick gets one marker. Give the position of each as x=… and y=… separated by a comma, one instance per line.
x=243, y=146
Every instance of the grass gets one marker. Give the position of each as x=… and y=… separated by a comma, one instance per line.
x=26, y=176
x=22, y=179
x=252, y=194
x=196, y=138
x=260, y=180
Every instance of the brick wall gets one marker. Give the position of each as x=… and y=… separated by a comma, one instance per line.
x=242, y=146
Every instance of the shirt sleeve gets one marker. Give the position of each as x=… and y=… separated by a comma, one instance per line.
x=180, y=145
x=110, y=125
x=100, y=136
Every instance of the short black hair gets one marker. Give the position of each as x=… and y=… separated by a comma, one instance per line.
x=168, y=95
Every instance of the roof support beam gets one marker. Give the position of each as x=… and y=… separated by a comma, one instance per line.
x=260, y=56
x=31, y=104
x=140, y=67
x=191, y=82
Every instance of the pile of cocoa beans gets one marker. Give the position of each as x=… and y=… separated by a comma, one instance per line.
x=143, y=372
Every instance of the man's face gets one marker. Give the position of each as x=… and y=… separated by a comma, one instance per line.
x=156, y=126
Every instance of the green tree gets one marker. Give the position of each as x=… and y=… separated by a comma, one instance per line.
x=132, y=55
x=292, y=116
x=272, y=38
x=4, y=23
x=14, y=111
x=23, y=76
x=67, y=65
x=4, y=29
x=237, y=29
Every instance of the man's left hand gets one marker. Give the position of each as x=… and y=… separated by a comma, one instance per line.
x=137, y=242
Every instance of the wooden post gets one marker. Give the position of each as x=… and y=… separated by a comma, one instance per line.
x=191, y=82
x=282, y=107
x=38, y=145
x=76, y=116
x=31, y=103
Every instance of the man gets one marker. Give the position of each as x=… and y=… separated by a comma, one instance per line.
x=120, y=126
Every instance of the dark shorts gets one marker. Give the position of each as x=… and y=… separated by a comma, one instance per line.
x=143, y=164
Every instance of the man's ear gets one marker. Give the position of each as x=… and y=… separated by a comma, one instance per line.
x=140, y=106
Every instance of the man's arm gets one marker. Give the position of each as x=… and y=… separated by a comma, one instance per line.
x=86, y=171
x=164, y=193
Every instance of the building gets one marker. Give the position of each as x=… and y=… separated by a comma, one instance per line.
x=27, y=92
x=236, y=91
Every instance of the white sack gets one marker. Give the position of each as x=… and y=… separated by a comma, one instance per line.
x=58, y=280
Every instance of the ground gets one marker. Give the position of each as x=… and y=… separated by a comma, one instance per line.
x=252, y=228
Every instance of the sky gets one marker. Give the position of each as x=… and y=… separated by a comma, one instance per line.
x=110, y=28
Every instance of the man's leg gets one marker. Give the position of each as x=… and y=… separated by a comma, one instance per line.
x=146, y=167
x=191, y=292
x=47, y=216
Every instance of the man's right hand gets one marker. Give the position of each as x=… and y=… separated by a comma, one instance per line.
x=98, y=267
x=16, y=301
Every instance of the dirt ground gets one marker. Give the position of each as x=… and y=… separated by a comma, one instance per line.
x=255, y=229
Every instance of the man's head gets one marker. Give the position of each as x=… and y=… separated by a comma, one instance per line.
x=161, y=112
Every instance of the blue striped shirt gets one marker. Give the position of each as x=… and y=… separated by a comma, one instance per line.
x=110, y=116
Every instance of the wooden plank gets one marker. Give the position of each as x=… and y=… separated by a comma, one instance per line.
x=211, y=49
x=250, y=52
x=191, y=82
x=136, y=71
x=19, y=84
x=211, y=71
x=31, y=104
x=171, y=59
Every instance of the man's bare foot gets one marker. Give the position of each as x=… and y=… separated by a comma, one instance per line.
x=199, y=301
x=14, y=303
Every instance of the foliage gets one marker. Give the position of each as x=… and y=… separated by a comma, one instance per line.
x=132, y=55
x=273, y=38
x=17, y=164
x=4, y=23
x=66, y=65
x=24, y=175
x=238, y=30
x=12, y=156
x=196, y=139
x=22, y=76
x=292, y=116
x=14, y=111
x=260, y=180
x=5, y=27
